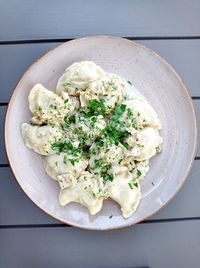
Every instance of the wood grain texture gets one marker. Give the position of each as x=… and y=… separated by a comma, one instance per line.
x=16, y=208
x=145, y=245
x=3, y=158
x=15, y=60
x=37, y=19
x=183, y=55
x=197, y=110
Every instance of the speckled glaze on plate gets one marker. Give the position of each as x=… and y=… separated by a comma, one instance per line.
x=163, y=89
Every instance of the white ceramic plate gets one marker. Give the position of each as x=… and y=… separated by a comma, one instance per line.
x=163, y=89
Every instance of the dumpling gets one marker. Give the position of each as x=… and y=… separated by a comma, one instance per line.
x=40, y=138
x=97, y=134
x=91, y=126
x=108, y=155
x=109, y=89
x=143, y=112
x=126, y=193
x=70, y=102
x=46, y=106
x=148, y=144
x=77, y=76
x=82, y=194
x=59, y=164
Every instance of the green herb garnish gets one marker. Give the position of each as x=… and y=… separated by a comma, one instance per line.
x=65, y=159
x=139, y=173
x=135, y=184
x=129, y=113
x=108, y=177
x=40, y=108
x=73, y=161
x=130, y=185
x=68, y=121
x=99, y=142
x=66, y=147
x=67, y=84
x=118, y=112
x=96, y=107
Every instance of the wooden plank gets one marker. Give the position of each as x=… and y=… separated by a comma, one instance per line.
x=3, y=158
x=184, y=204
x=197, y=110
x=15, y=60
x=174, y=244
x=16, y=208
x=183, y=55
x=23, y=19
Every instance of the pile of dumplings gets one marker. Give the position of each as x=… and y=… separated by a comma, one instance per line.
x=95, y=138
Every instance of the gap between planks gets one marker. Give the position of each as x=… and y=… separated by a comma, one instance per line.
x=60, y=40
x=61, y=225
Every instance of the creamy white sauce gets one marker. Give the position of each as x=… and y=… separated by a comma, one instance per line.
x=97, y=133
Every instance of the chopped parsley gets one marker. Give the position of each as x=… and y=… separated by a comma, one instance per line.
x=108, y=177
x=103, y=167
x=71, y=119
x=133, y=185
x=40, y=108
x=115, y=135
x=129, y=82
x=118, y=112
x=115, y=88
x=120, y=160
x=129, y=113
x=139, y=173
x=130, y=185
x=94, y=119
x=114, y=130
x=98, y=163
x=85, y=151
x=134, y=123
x=65, y=146
x=68, y=121
x=65, y=159
x=96, y=107
x=110, y=217
x=73, y=161
x=99, y=142
x=53, y=106
x=67, y=84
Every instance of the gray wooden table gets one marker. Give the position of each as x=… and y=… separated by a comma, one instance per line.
x=29, y=237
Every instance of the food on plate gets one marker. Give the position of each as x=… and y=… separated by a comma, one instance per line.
x=96, y=133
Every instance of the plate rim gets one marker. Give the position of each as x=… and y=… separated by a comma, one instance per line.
x=46, y=54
